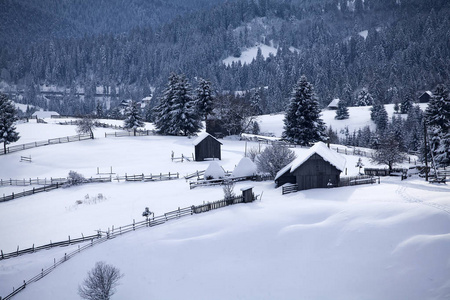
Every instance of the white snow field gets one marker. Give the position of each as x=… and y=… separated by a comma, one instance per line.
x=382, y=241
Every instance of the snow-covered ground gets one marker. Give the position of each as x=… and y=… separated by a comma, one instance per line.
x=359, y=117
x=381, y=241
x=247, y=55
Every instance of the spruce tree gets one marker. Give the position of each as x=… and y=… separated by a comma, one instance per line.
x=8, y=115
x=133, y=117
x=342, y=111
x=163, y=110
x=437, y=117
x=379, y=116
x=302, y=122
x=177, y=112
x=184, y=117
x=364, y=98
x=204, y=98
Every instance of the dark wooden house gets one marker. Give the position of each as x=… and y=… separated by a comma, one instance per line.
x=425, y=97
x=320, y=167
x=207, y=147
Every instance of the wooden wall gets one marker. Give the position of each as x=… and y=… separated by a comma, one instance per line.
x=208, y=148
x=316, y=173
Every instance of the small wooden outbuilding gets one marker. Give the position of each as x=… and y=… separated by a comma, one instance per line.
x=207, y=147
x=333, y=104
x=320, y=167
x=425, y=97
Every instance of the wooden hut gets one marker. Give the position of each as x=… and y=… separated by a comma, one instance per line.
x=425, y=97
x=333, y=104
x=207, y=147
x=320, y=167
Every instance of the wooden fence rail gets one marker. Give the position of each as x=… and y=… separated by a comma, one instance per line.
x=130, y=133
x=357, y=180
x=114, y=232
x=211, y=182
x=289, y=188
x=60, y=182
x=67, y=139
x=34, y=249
x=31, y=181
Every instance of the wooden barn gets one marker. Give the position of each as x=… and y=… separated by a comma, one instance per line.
x=425, y=97
x=320, y=167
x=207, y=147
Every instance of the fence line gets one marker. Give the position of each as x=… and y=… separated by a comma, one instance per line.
x=149, y=222
x=31, y=181
x=61, y=140
x=130, y=133
x=61, y=182
x=96, y=124
x=344, y=181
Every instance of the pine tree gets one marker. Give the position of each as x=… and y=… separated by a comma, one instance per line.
x=379, y=115
x=177, y=112
x=8, y=115
x=204, y=98
x=133, y=117
x=406, y=104
x=163, y=110
x=437, y=117
x=342, y=111
x=255, y=102
x=302, y=122
x=185, y=119
x=364, y=98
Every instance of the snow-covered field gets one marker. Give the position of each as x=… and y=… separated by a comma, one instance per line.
x=381, y=241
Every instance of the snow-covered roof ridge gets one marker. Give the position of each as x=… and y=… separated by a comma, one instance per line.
x=201, y=137
x=323, y=151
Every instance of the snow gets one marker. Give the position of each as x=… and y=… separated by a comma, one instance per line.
x=334, y=103
x=245, y=167
x=247, y=55
x=214, y=171
x=327, y=154
x=382, y=241
x=41, y=114
x=201, y=137
x=322, y=150
x=364, y=33
x=359, y=117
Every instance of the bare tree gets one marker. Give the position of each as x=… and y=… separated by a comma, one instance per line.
x=388, y=152
x=101, y=282
x=86, y=125
x=274, y=158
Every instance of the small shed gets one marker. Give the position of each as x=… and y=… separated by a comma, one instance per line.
x=207, y=147
x=319, y=167
x=425, y=97
x=333, y=104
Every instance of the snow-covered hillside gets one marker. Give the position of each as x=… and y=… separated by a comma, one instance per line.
x=247, y=55
x=359, y=117
x=383, y=241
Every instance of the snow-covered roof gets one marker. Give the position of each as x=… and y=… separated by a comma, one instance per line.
x=320, y=149
x=334, y=103
x=44, y=114
x=201, y=137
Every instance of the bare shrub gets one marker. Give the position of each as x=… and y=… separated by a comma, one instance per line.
x=274, y=158
x=228, y=190
x=101, y=282
x=75, y=178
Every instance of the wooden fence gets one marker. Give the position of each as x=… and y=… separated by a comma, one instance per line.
x=60, y=182
x=357, y=180
x=344, y=181
x=96, y=124
x=130, y=133
x=31, y=181
x=383, y=172
x=211, y=182
x=149, y=222
x=67, y=139
x=289, y=188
